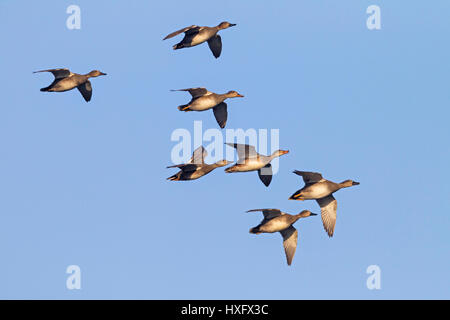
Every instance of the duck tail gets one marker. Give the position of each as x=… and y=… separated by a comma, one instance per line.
x=255, y=230
x=175, y=177
x=178, y=46
x=184, y=107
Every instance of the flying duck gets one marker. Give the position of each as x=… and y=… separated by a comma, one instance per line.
x=66, y=80
x=321, y=190
x=196, y=167
x=203, y=100
x=250, y=160
x=277, y=221
x=195, y=35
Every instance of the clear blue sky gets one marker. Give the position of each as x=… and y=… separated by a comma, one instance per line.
x=85, y=183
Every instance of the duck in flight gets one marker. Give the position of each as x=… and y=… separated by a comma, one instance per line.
x=195, y=35
x=203, y=99
x=66, y=80
x=277, y=221
x=250, y=160
x=196, y=167
x=321, y=190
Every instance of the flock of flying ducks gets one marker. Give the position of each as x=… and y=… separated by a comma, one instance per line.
x=315, y=188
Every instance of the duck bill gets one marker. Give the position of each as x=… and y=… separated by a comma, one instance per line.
x=232, y=24
x=313, y=214
x=240, y=95
x=354, y=183
x=284, y=152
x=103, y=74
x=295, y=197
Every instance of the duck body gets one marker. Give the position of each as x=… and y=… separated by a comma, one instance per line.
x=202, y=100
x=65, y=84
x=250, y=164
x=278, y=221
x=65, y=80
x=192, y=172
x=195, y=35
x=276, y=224
x=206, y=102
x=250, y=160
x=196, y=167
x=319, y=189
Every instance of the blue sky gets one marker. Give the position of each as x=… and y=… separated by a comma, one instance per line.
x=85, y=183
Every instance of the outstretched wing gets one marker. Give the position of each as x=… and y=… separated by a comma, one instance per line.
x=221, y=114
x=268, y=213
x=244, y=151
x=86, y=90
x=188, y=167
x=199, y=155
x=215, y=44
x=290, y=238
x=57, y=73
x=328, y=207
x=195, y=92
x=309, y=177
x=265, y=174
x=173, y=34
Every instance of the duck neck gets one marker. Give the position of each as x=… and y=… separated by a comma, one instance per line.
x=218, y=27
x=274, y=155
x=344, y=184
x=225, y=96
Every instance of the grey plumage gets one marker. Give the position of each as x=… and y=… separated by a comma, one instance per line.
x=66, y=80
x=203, y=99
x=196, y=167
x=319, y=189
x=250, y=160
x=277, y=221
x=195, y=35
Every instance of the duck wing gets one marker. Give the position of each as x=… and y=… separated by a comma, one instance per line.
x=309, y=177
x=199, y=155
x=268, y=213
x=86, y=90
x=215, y=44
x=265, y=174
x=57, y=73
x=187, y=30
x=187, y=167
x=195, y=92
x=244, y=151
x=328, y=207
x=221, y=114
x=290, y=238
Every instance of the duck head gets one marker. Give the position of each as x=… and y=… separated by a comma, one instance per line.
x=234, y=94
x=348, y=183
x=279, y=153
x=306, y=213
x=95, y=73
x=225, y=25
